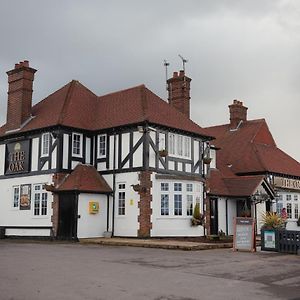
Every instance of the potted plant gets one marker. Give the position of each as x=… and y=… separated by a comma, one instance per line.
x=271, y=222
x=207, y=160
x=197, y=218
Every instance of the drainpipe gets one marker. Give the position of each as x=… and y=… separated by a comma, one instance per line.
x=114, y=187
x=226, y=203
x=107, y=220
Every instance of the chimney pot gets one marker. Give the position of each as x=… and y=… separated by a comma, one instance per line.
x=238, y=113
x=181, y=73
x=175, y=74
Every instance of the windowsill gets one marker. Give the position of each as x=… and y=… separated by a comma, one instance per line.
x=77, y=155
x=102, y=156
x=40, y=217
x=173, y=217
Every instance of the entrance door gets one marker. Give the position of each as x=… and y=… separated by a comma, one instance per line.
x=214, y=216
x=67, y=227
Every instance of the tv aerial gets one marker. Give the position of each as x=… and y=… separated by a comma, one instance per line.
x=166, y=64
x=184, y=61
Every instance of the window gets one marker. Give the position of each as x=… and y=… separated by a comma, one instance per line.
x=16, y=196
x=296, y=211
x=121, y=199
x=189, y=187
x=177, y=205
x=102, y=145
x=164, y=186
x=179, y=145
x=189, y=205
x=164, y=205
x=295, y=197
x=77, y=144
x=172, y=143
x=187, y=146
x=40, y=198
x=289, y=210
x=288, y=197
x=177, y=187
x=45, y=144
x=279, y=206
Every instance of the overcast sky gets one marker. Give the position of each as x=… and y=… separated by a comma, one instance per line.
x=246, y=50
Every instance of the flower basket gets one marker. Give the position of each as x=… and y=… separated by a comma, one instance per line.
x=163, y=153
x=207, y=160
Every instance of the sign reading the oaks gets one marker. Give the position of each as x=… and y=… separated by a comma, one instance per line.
x=287, y=183
x=17, y=158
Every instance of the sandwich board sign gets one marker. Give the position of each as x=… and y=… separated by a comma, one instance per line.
x=244, y=234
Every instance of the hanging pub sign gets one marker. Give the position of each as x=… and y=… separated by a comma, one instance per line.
x=25, y=199
x=17, y=158
x=244, y=234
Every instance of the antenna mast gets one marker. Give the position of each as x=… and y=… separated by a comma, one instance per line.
x=184, y=61
x=166, y=64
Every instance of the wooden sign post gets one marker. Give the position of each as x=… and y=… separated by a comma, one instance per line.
x=244, y=234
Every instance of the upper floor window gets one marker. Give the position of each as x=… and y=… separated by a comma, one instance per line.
x=179, y=145
x=77, y=144
x=288, y=197
x=101, y=145
x=45, y=144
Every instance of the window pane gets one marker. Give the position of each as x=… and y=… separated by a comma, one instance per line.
x=164, y=186
x=279, y=207
x=289, y=210
x=288, y=197
x=296, y=211
x=189, y=187
x=189, y=205
x=121, y=203
x=172, y=143
x=187, y=146
x=295, y=197
x=36, y=204
x=177, y=187
x=179, y=145
x=102, y=145
x=177, y=205
x=16, y=196
x=45, y=143
x=164, y=211
x=44, y=204
x=77, y=144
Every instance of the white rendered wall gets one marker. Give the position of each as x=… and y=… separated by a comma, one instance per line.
x=91, y=225
x=10, y=216
x=65, y=151
x=260, y=210
x=34, y=154
x=196, y=151
x=2, y=159
x=174, y=225
x=138, y=154
x=88, y=151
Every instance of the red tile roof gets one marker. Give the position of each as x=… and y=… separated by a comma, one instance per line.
x=84, y=178
x=235, y=186
x=250, y=149
x=75, y=106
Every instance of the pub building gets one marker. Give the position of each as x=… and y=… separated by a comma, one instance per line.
x=249, y=174
x=78, y=165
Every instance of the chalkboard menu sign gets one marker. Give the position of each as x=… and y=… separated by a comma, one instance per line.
x=244, y=234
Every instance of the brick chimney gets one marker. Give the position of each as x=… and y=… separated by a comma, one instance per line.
x=238, y=113
x=179, y=92
x=19, y=103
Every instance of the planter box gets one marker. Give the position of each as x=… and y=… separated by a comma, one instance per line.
x=269, y=240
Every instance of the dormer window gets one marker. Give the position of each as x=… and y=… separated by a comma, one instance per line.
x=77, y=144
x=45, y=144
x=101, y=145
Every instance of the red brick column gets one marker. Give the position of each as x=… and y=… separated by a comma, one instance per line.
x=57, y=179
x=144, y=219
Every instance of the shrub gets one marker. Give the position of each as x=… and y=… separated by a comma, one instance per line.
x=197, y=218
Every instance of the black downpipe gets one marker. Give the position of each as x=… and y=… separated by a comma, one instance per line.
x=114, y=187
x=226, y=203
x=107, y=223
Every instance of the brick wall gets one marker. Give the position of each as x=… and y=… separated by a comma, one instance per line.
x=144, y=219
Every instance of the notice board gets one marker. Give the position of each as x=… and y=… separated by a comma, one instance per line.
x=244, y=234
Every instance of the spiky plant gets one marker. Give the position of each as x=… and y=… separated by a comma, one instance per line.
x=272, y=220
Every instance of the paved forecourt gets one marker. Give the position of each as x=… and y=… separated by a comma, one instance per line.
x=49, y=270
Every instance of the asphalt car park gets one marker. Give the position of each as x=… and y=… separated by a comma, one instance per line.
x=50, y=270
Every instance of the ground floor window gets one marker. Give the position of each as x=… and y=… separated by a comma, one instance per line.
x=290, y=203
x=40, y=198
x=16, y=196
x=121, y=199
x=178, y=198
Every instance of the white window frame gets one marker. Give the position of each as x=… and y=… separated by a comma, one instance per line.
x=121, y=201
x=45, y=144
x=189, y=205
x=100, y=145
x=75, y=154
x=43, y=197
x=179, y=146
x=164, y=204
